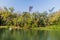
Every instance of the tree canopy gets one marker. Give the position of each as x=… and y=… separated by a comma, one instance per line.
x=28, y=20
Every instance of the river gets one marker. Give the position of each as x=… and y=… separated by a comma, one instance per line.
x=6, y=34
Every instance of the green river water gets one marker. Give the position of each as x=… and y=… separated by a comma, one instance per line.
x=6, y=34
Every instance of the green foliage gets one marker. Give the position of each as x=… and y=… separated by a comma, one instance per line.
x=28, y=20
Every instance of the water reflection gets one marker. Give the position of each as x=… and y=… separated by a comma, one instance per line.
x=5, y=34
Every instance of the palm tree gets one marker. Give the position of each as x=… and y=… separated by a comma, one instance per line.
x=30, y=8
x=11, y=9
x=5, y=8
x=51, y=9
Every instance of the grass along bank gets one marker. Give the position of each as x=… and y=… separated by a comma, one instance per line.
x=54, y=27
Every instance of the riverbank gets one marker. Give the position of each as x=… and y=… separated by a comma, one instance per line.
x=37, y=28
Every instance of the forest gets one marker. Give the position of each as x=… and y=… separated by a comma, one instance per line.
x=28, y=19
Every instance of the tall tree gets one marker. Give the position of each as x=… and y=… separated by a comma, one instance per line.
x=11, y=9
x=30, y=8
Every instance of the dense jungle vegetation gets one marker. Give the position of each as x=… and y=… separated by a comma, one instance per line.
x=28, y=19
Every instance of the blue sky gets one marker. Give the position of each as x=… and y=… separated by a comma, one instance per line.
x=38, y=5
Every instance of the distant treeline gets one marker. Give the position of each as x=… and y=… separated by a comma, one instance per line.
x=27, y=19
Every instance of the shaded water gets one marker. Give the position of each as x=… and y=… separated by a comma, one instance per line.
x=5, y=34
